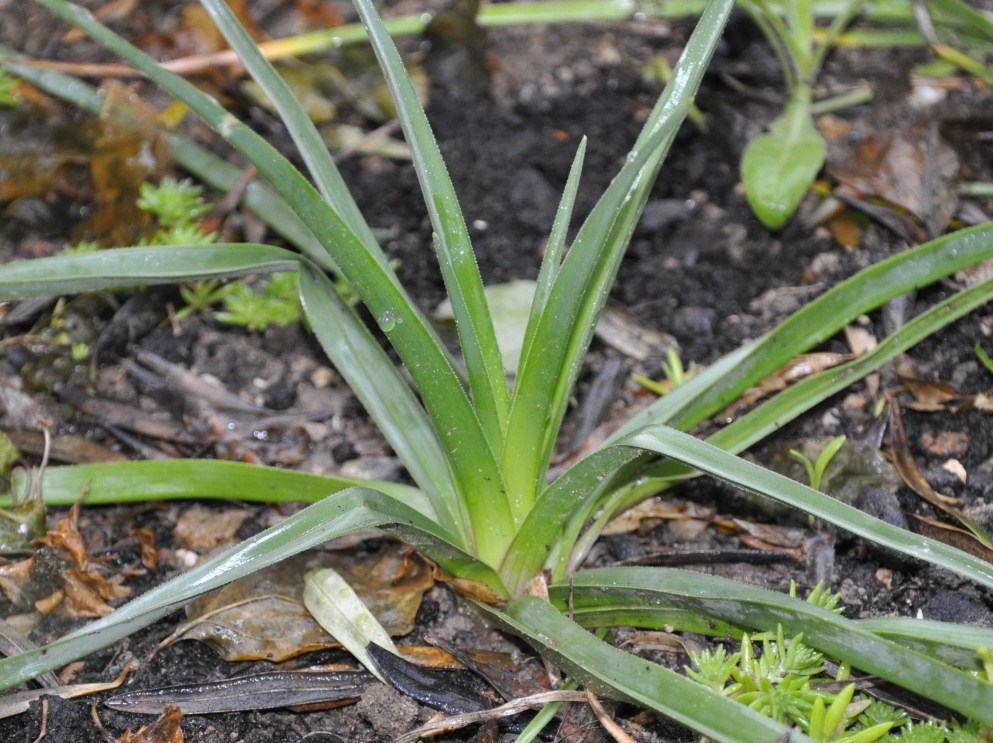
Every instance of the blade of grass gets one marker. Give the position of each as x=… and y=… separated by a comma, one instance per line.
x=132, y=267
x=722, y=465
x=460, y=431
x=872, y=287
x=137, y=482
x=386, y=396
x=342, y=513
x=301, y=129
x=619, y=675
x=552, y=259
x=630, y=594
x=581, y=286
x=951, y=643
x=463, y=283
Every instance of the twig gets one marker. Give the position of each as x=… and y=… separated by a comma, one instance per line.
x=606, y=720
x=454, y=722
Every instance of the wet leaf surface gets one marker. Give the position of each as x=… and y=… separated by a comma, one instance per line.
x=263, y=617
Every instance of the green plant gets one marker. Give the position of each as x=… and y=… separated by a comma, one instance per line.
x=8, y=89
x=779, y=682
x=815, y=470
x=778, y=168
x=675, y=374
x=483, y=509
x=984, y=357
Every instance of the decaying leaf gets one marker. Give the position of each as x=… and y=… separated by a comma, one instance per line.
x=263, y=617
x=166, y=729
x=646, y=515
x=339, y=610
x=913, y=168
x=915, y=480
x=61, y=576
x=201, y=529
x=802, y=366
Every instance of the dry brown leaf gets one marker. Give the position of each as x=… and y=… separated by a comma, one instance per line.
x=127, y=151
x=149, y=552
x=263, y=617
x=15, y=581
x=166, y=729
x=202, y=529
x=66, y=536
x=846, y=230
x=650, y=512
x=915, y=480
x=802, y=366
x=912, y=168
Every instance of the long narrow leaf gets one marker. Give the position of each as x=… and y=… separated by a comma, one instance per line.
x=339, y=514
x=718, y=463
x=430, y=365
x=552, y=258
x=584, y=279
x=131, y=267
x=169, y=479
x=630, y=594
x=484, y=365
x=619, y=675
x=386, y=397
x=869, y=289
x=301, y=129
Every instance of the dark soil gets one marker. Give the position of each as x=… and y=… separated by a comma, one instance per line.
x=700, y=269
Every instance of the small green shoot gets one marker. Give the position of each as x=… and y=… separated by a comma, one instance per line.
x=984, y=358
x=276, y=303
x=8, y=89
x=675, y=374
x=173, y=202
x=815, y=470
x=778, y=168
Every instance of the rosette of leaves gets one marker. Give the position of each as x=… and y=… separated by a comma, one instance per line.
x=484, y=509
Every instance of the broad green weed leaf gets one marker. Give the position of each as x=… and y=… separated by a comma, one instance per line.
x=779, y=167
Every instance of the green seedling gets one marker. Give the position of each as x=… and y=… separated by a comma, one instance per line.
x=484, y=508
x=8, y=89
x=815, y=470
x=778, y=167
x=675, y=374
x=984, y=358
x=174, y=203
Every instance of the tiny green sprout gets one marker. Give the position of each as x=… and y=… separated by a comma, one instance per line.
x=932, y=731
x=714, y=669
x=986, y=656
x=199, y=297
x=80, y=351
x=984, y=358
x=830, y=722
x=173, y=202
x=8, y=89
x=675, y=374
x=276, y=304
x=820, y=596
x=815, y=470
